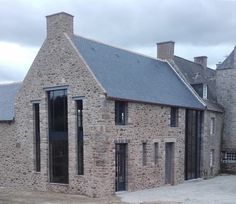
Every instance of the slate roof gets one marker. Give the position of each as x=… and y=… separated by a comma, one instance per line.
x=195, y=74
x=228, y=63
x=130, y=76
x=7, y=99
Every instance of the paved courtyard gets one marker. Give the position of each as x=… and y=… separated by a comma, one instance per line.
x=219, y=190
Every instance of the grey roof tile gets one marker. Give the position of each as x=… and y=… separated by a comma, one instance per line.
x=130, y=76
x=195, y=74
x=7, y=99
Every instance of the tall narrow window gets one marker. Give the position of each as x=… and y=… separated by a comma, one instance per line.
x=144, y=154
x=80, y=138
x=212, y=157
x=156, y=149
x=174, y=116
x=37, y=136
x=212, y=128
x=120, y=112
x=58, y=136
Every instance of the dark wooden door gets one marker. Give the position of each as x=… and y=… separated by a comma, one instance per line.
x=169, y=166
x=121, y=155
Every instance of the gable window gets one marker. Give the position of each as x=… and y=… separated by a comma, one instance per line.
x=120, y=112
x=37, y=136
x=212, y=127
x=174, y=116
x=156, y=149
x=80, y=137
x=144, y=153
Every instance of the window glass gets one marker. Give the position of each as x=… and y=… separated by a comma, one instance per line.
x=37, y=136
x=80, y=139
x=120, y=112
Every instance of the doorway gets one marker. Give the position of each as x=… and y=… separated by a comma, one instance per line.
x=193, y=144
x=169, y=164
x=121, y=163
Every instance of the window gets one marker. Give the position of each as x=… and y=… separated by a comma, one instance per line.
x=174, y=115
x=37, y=136
x=144, y=154
x=205, y=90
x=228, y=157
x=80, y=138
x=58, y=136
x=212, y=158
x=212, y=127
x=156, y=148
x=120, y=112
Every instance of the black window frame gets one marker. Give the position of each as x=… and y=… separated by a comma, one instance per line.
x=80, y=137
x=36, y=110
x=121, y=107
x=174, y=117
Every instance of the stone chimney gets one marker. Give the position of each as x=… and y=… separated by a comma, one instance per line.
x=202, y=60
x=59, y=23
x=165, y=50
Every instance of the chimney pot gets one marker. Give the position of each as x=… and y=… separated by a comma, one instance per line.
x=165, y=50
x=59, y=23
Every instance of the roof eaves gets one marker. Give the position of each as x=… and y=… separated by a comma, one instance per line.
x=148, y=102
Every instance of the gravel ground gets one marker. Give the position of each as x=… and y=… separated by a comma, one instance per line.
x=218, y=190
x=11, y=196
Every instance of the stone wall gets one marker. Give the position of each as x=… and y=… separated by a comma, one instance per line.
x=211, y=141
x=8, y=150
x=226, y=96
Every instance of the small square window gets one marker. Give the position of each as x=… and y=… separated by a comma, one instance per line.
x=120, y=112
x=174, y=116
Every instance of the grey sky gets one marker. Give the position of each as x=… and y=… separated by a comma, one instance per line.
x=199, y=27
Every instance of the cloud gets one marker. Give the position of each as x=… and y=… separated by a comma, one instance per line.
x=125, y=22
x=206, y=26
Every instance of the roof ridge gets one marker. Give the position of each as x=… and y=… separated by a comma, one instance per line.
x=120, y=48
x=194, y=62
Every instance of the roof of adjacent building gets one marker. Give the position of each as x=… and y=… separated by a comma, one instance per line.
x=7, y=98
x=130, y=76
x=195, y=74
x=229, y=62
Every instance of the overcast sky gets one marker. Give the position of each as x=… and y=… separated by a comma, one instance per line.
x=198, y=27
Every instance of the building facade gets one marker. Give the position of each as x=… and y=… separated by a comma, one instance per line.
x=93, y=119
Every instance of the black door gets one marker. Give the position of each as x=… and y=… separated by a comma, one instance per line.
x=121, y=155
x=169, y=167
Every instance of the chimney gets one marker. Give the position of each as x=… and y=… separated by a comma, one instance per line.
x=202, y=60
x=165, y=50
x=59, y=23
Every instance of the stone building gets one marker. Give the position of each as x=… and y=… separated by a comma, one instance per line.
x=91, y=118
